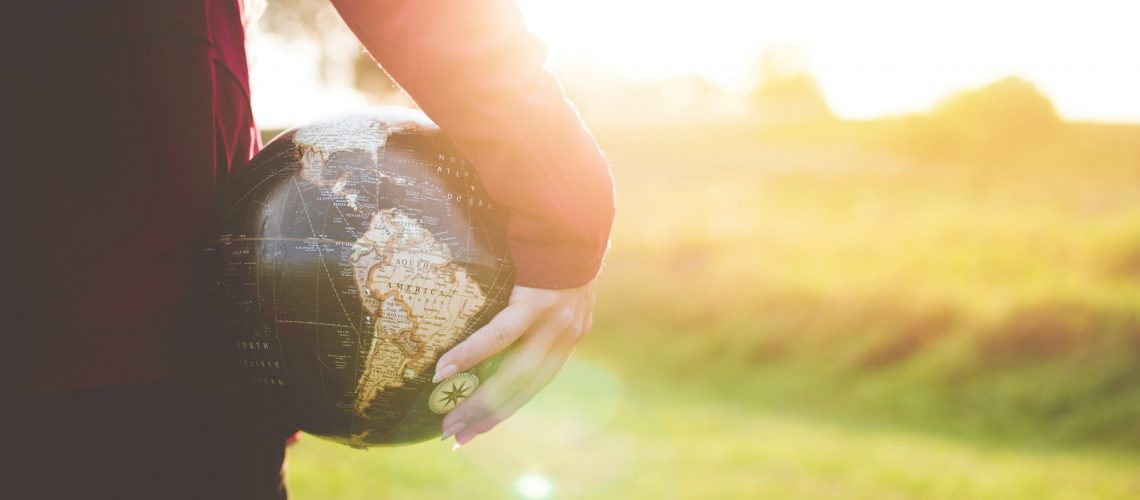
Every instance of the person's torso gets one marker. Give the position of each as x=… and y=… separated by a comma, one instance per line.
x=120, y=119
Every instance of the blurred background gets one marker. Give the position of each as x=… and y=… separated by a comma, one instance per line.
x=879, y=249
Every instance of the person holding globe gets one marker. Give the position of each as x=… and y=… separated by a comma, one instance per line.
x=104, y=229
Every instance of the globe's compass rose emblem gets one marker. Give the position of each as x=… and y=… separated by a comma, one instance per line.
x=452, y=391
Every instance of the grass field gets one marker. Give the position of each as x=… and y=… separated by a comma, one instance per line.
x=591, y=435
x=839, y=311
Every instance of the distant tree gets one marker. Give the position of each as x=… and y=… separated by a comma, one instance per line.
x=371, y=80
x=1010, y=107
x=341, y=54
x=996, y=121
x=787, y=93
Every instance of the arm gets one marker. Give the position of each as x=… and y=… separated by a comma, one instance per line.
x=477, y=72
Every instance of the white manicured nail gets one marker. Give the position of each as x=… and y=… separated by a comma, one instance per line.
x=445, y=372
x=453, y=430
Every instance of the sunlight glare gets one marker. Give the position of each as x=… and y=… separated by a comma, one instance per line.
x=871, y=58
x=534, y=486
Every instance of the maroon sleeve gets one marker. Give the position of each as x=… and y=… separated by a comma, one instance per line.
x=476, y=71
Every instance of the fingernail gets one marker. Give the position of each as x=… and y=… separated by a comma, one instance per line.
x=455, y=447
x=453, y=430
x=462, y=440
x=444, y=372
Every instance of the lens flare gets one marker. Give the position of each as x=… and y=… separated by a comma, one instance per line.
x=534, y=486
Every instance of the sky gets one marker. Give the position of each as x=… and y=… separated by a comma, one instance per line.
x=871, y=58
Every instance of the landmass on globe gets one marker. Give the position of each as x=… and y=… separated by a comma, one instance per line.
x=409, y=283
x=405, y=279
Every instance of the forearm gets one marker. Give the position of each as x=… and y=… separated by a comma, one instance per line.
x=475, y=70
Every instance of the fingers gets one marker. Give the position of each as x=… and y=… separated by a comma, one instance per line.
x=542, y=377
x=520, y=377
x=544, y=325
x=513, y=375
x=495, y=336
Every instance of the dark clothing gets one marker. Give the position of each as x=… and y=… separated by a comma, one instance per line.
x=121, y=119
x=141, y=441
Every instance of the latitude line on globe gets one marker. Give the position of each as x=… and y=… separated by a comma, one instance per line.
x=321, y=323
x=312, y=239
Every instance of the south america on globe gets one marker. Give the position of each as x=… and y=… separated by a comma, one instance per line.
x=349, y=255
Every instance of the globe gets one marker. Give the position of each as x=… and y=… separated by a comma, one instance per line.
x=350, y=254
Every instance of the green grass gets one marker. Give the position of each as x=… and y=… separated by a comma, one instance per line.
x=964, y=292
x=832, y=312
x=605, y=432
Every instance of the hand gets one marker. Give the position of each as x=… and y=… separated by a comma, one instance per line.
x=544, y=326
